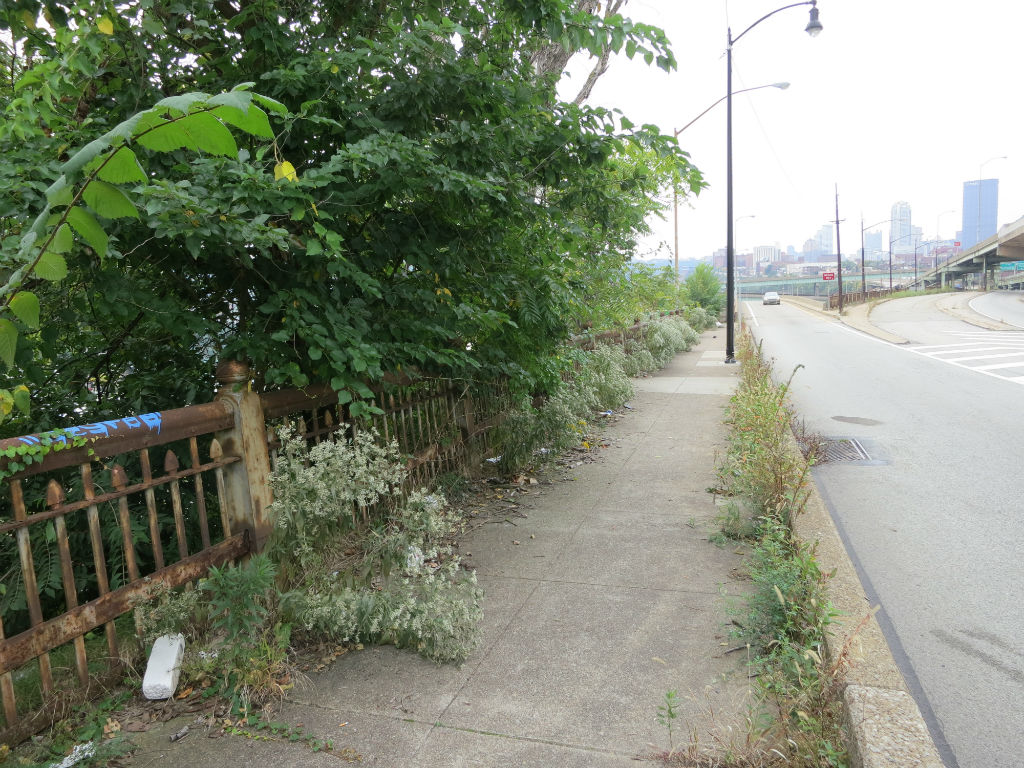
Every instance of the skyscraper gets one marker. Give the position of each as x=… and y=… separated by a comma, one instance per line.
x=824, y=241
x=981, y=209
x=900, y=229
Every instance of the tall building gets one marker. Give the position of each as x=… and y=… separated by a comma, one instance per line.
x=900, y=233
x=824, y=239
x=873, y=243
x=981, y=209
x=766, y=254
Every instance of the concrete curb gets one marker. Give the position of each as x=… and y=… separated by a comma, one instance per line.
x=885, y=726
x=857, y=317
x=958, y=305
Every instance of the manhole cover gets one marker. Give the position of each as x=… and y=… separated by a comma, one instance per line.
x=844, y=449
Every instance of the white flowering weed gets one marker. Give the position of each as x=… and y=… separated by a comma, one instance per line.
x=317, y=491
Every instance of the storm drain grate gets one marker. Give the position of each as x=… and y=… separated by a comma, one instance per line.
x=844, y=449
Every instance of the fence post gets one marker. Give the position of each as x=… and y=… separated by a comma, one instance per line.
x=246, y=482
x=467, y=424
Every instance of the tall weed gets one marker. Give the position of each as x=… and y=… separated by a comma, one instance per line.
x=787, y=615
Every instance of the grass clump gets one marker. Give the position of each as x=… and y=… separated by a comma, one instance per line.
x=787, y=615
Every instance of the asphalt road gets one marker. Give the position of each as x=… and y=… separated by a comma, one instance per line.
x=1007, y=306
x=935, y=521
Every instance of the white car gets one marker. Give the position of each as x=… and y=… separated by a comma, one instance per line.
x=771, y=297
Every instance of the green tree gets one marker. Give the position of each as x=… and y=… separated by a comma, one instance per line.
x=704, y=289
x=422, y=201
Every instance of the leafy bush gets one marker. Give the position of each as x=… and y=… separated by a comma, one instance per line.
x=406, y=587
x=640, y=359
x=605, y=374
x=318, y=490
x=699, y=318
x=413, y=592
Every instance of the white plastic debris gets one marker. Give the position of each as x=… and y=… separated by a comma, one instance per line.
x=78, y=754
x=413, y=558
x=164, y=667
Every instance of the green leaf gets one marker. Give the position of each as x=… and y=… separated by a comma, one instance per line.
x=89, y=229
x=122, y=167
x=59, y=193
x=237, y=99
x=180, y=104
x=84, y=155
x=25, y=306
x=8, y=342
x=160, y=135
x=22, y=400
x=63, y=241
x=269, y=103
x=109, y=201
x=254, y=121
x=209, y=134
x=125, y=129
x=51, y=266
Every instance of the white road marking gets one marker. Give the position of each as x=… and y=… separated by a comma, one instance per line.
x=1000, y=365
x=984, y=357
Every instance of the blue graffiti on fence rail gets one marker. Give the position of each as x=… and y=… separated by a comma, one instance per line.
x=99, y=429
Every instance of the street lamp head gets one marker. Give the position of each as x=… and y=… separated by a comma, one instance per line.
x=813, y=27
x=780, y=86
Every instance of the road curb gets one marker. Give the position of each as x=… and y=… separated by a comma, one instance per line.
x=958, y=305
x=857, y=317
x=885, y=727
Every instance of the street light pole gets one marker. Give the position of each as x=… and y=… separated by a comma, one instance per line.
x=675, y=193
x=813, y=28
x=890, y=254
x=938, y=238
x=863, y=273
x=839, y=255
x=891, y=241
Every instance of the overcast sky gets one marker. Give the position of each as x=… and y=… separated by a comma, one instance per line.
x=894, y=100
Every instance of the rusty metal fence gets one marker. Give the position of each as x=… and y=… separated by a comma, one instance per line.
x=95, y=515
x=121, y=531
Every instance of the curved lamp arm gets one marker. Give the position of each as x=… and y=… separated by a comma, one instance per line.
x=813, y=26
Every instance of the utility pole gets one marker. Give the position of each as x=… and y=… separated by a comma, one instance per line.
x=839, y=254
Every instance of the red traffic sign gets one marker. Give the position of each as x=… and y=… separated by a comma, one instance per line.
x=956, y=243
x=828, y=275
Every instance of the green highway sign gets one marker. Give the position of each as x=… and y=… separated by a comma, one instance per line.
x=1012, y=266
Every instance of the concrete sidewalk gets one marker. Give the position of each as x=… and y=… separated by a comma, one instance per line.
x=601, y=596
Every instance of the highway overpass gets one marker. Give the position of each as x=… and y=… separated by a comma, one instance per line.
x=984, y=260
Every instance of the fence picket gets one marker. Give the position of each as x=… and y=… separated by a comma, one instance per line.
x=28, y=577
x=170, y=468
x=54, y=500
x=99, y=560
x=150, y=496
x=204, y=526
